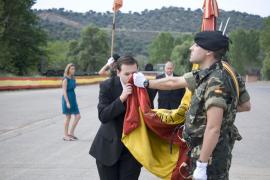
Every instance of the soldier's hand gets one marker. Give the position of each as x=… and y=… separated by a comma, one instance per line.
x=200, y=171
x=127, y=90
x=139, y=79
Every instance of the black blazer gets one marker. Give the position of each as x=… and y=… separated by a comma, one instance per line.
x=107, y=145
x=167, y=99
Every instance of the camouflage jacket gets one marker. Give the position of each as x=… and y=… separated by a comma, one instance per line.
x=212, y=87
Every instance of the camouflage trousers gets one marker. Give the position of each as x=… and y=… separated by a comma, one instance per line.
x=220, y=162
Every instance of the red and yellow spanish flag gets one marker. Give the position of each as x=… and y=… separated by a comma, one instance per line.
x=210, y=14
x=153, y=136
x=117, y=5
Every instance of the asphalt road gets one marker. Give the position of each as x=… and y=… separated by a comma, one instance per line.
x=31, y=131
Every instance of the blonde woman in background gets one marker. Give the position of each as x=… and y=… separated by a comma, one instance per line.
x=69, y=103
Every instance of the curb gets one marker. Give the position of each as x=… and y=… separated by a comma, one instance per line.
x=20, y=83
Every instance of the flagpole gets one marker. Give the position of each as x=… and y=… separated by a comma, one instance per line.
x=113, y=32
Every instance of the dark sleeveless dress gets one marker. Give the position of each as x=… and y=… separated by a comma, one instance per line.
x=71, y=85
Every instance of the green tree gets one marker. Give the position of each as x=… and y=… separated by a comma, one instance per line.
x=21, y=38
x=2, y=20
x=56, y=52
x=161, y=48
x=265, y=44
x=142, y=60
x=91, y=51
x=265, y=36
x=266, y=67
x=180, y=57
x=178, y=40
x=73, y=51
x=245, y=50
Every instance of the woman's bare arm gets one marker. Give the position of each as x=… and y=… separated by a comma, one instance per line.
x=64, y=87
x=104, y=70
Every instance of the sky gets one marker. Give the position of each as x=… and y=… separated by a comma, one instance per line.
x=257, y=7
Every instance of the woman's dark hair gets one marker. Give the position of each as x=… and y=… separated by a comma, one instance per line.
x=116, y=57
x=148, y=67
x=113, y=69
x=127, y=60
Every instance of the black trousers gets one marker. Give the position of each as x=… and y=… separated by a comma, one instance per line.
x=126, y=168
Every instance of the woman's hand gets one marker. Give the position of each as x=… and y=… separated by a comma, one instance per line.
x=68, y=105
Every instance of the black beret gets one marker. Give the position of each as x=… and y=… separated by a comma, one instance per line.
x=212, y=40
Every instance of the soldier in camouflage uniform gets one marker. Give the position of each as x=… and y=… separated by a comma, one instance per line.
x=209, y=128
x=213, y=87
